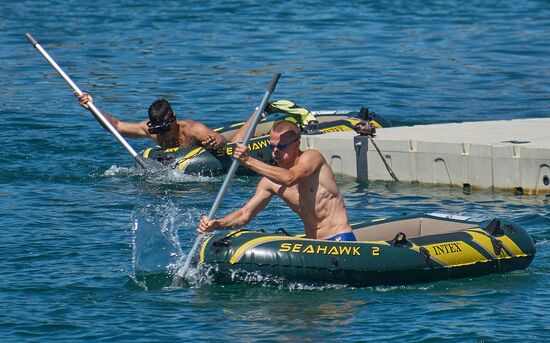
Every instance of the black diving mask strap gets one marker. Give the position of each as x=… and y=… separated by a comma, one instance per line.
x=161, y=127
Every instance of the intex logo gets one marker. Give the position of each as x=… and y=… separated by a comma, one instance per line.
x=447, y=248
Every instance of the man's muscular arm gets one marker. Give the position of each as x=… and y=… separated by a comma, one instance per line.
x=244, y=215
x=308, y=163
x=129, y=129
x=207, y=137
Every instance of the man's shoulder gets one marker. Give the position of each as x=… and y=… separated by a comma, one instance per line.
x=183, y=122
x=312, y=155
x=311, y=152
x=187, y=124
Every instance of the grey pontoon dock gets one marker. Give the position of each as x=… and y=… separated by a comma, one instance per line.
x=505, y=154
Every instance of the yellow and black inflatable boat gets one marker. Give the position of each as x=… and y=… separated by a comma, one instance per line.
x=404, y=250
x=198, y=161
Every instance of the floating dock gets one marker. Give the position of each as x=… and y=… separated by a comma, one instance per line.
x=506, y=154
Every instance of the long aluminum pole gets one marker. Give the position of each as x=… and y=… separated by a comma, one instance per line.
x=95, y=112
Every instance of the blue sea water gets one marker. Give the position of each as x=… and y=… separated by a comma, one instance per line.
x=71, y=262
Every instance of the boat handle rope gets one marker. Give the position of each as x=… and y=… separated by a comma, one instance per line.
x=497, y=246
x=400, y=240
x=225, y=242
x=509, y=227
x=494, y=228
x=426, y=253
x=226, y=238
x=282, y=231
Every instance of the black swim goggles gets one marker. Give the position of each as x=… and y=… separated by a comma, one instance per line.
x=282, y=146
x=162, y=127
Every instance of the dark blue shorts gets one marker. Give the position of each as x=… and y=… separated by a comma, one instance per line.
x=348, y=236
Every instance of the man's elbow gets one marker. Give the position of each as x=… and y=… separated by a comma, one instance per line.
x=289, y=180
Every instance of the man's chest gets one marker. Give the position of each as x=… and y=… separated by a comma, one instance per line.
x=298, y=196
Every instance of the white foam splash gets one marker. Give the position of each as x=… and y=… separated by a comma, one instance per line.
x=119, y=171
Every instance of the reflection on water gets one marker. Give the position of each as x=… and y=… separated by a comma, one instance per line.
x=316, y=309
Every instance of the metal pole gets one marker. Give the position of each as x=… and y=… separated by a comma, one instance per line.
x=180, y=274
x=95, y=112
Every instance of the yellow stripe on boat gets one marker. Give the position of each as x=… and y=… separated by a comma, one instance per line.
x=183, y=164
x=146, y=152
x=509, y=244
x=193, y=152
x=171, y=149
x=484, y=241
x=455, y=253
x=512, y=246
x=201, y=254
x=370, y=242
x=375, y=124
x=232, y=233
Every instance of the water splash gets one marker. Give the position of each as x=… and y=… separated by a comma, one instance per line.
x=158, y=176
x=156, y=245
x=206, y=274
x=119, y=171
x=161, y=232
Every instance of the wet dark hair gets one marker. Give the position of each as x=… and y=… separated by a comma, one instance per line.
x=160, y=111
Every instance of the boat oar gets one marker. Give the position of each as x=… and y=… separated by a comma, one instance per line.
x=95, y=112
x=180, y=274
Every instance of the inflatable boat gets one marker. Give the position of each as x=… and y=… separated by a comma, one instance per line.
x=199, y=161
x=404, y=250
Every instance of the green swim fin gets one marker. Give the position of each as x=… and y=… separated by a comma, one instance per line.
x=302, y=115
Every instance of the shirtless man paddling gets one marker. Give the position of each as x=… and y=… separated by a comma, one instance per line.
x=163, y=127
x=303, y=179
